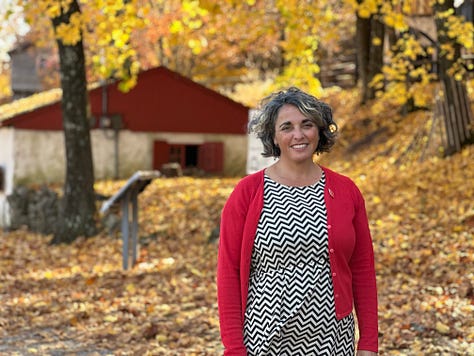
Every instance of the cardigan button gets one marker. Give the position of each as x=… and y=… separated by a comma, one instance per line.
x=334, y=274
x=329, y=226
x=331, y=250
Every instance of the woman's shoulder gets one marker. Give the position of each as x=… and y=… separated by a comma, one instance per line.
x=337, y=180
x=246, y=190
x=251, y=181
x=336, y=177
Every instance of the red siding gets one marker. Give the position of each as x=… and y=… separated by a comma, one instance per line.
x=45, y=118
x=162, y=101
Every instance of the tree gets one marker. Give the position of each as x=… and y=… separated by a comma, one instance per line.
x=78, y=205
x=70, y=26
x=376, y=54
x=204, y=40
x=370, y=35
x=363, y=37
x=224, y=43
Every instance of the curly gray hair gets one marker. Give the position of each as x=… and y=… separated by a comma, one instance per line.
x=263, y=123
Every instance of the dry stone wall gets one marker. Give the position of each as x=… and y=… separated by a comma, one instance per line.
x=36, y=210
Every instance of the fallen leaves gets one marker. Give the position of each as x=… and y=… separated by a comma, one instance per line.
x=164, y=305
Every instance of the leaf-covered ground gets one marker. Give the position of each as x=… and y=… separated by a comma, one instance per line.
x=76, y=299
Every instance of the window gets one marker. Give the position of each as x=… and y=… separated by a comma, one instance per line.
x=207, y=156
x=191, y=156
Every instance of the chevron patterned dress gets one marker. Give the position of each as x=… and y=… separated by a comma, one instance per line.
x=290, y=306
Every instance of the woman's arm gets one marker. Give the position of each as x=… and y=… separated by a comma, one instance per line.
x=228, y=275
x=363, y=279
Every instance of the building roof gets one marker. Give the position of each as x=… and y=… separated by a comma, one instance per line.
x=30, y=103
x=162, y=100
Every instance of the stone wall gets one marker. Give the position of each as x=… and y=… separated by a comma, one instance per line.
x=36, y=210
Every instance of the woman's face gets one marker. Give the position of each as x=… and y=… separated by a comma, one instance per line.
x=295, y=134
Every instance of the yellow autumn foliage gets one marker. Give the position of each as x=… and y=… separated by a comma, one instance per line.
x=70, y=33
x=204, y=40
x=105, y=27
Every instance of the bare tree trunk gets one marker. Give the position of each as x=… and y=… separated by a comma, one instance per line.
x=363, y=52
x=377, y=30
x=369, y=55
x=77, y=213
x=457, y=117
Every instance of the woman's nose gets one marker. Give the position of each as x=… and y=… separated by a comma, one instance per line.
x=298, y=132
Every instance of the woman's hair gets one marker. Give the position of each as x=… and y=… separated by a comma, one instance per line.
x=263, y=123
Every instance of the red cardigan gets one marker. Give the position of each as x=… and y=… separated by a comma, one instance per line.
x=350, y=254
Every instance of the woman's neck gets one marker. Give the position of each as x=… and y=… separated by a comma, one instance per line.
x=295, y=174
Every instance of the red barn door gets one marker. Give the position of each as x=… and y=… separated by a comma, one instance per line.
x=211, y=157
x=161, y=154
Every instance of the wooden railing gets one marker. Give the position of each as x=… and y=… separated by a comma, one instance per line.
x=457, y=117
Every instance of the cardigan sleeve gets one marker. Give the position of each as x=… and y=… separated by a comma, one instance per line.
x=228, y=273
x=363, y=279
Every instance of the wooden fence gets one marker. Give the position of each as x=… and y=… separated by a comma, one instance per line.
x=457, y=118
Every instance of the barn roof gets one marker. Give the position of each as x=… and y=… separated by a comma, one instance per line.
x=29, y=103
x=160, y=101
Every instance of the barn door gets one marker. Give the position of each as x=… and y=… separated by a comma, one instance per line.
x=211, y=157
x=161, y=154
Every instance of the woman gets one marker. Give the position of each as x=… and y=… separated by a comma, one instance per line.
x=295, y=251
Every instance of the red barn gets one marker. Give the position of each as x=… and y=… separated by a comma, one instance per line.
x=164, y=118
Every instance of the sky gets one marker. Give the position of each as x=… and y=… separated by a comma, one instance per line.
x=11, y=28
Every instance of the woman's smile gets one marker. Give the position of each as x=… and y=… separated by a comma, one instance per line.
x=299, y=146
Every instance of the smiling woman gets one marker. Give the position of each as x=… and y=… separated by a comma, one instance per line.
x=295, y=251
x=293, y=126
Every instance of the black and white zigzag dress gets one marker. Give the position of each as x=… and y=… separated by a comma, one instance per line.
x=290, y=307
